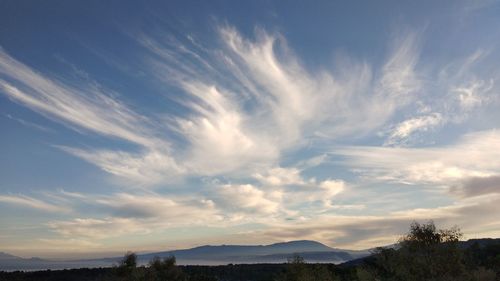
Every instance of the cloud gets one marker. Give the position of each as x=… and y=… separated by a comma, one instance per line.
x=172, y=210
x=279, y=176
x=402, y=132
x=29, y=124
x=85, y=107
x=126, y=215
x=147, y=168
x=332, y=187
x=69, y=244
x=399, y=78
x=473, y=94
x=90, y=228
x=474, y=155
x=249, y=101
x=297, y=190
x=32, y=203
x=465, y=89
x=477, y=186
x=249, y=199
x=219, y=135
x=246, y=102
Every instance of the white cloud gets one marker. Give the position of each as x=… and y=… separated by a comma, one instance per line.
x=402, y=132
x=474, y=155
x=29, y=124
x=32, y=203
x=125, y=215
x=249, y=199
x=219, y=134
x=138, y=169
x=300, y=194
x=473, y=94
x=466, y=91
x=86, y=107
x=252, y=100
x=280, y=176
x=90, y=228
x=247, y=103
x=332, y=187
x=399, y=78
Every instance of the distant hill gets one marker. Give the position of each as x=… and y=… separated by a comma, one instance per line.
x=5, y=256
x=481, y=242
x=274, y=253
x=10, y=262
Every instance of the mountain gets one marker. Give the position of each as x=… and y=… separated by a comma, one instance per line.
x=238, y=250
x=5, y=256
x=8, y=257
x=312, y=251
x=481, y=242
x=11, y=262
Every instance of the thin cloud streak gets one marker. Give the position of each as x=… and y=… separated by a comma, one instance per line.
x=32, y=203
x=474, y=155
x=84, y=107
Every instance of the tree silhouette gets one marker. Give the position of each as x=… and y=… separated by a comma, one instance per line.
x=424, y=253
x=165, y=269
x=127, y=268
x=298, y=270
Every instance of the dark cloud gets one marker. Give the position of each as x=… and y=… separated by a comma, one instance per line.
x=477, y=186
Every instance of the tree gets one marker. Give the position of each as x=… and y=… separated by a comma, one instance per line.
x=129, y=260
x=424, y=253
x=127, y=268
x=165, y=269
x=298, y=270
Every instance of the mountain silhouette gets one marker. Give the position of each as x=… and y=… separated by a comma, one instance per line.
x=5, y=256
x=274, y=253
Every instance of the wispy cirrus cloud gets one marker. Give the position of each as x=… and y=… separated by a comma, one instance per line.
x=474, y=155
x=473, y=93
x=84, y=107
x=245, y=94
x=402, y=133
x=29, y=124
x=33, y=203
x=248, y=101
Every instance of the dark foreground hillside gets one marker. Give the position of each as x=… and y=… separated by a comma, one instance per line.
x=243, y=272
x=424, y=254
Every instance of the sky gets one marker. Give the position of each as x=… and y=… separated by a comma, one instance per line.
x=154, y=125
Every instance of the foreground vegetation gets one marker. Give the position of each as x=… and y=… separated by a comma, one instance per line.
x=424, y=254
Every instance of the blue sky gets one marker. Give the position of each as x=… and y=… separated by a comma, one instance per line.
x=161, y=125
